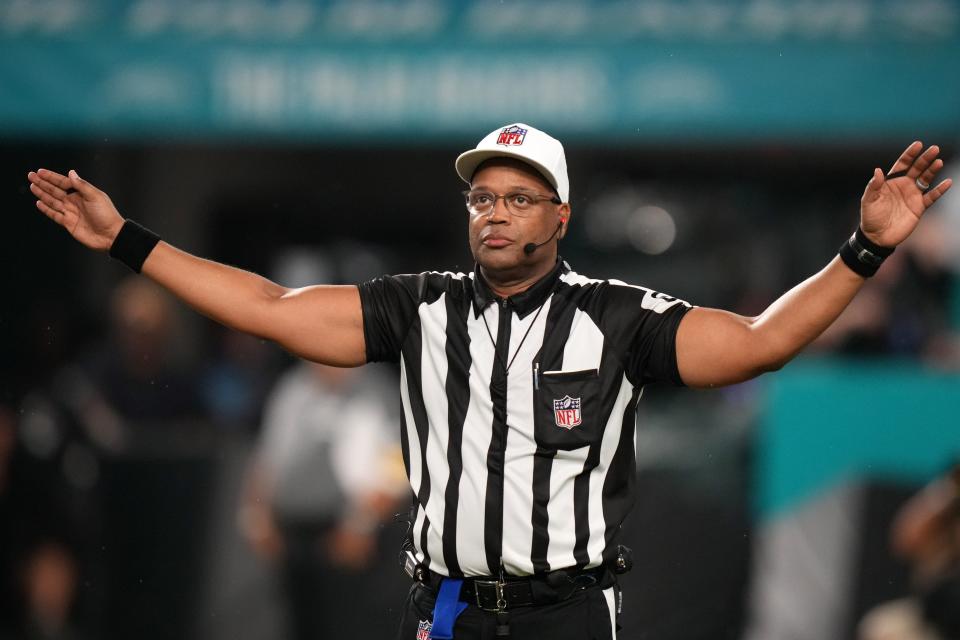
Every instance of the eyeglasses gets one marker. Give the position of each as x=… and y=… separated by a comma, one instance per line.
x=519, y=203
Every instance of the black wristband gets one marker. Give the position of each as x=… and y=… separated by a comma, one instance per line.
x=133, y=244
x=862, y=255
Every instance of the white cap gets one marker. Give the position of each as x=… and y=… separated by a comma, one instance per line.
x=523, y=142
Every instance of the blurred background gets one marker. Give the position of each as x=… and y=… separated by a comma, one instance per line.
x=159, y=475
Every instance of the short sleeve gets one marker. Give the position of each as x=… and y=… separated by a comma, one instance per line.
x=648, y=329
x=389, y=305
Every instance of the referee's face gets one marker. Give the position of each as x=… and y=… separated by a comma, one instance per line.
x=498, y=237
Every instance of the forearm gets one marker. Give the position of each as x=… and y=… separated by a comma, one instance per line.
x=236, y=298
x=804, y=312
x=321, y=323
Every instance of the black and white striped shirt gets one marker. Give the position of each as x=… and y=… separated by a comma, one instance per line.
x=518, y=414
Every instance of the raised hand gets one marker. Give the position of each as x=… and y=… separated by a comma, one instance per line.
x=892, y=205
x=77, y=206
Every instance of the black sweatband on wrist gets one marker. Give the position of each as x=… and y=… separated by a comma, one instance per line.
x=133, y=244
x=862, y=255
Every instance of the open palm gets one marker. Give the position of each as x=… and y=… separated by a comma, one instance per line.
x=84, y=211
x=892, y=204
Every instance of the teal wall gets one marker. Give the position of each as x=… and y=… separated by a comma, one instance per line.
x=828, y=421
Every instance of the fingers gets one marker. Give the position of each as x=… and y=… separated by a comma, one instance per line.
x=928, y=174
x=906, y=159
x=50, y=201
x=57, y=179
x=46, y=185
x=915, y=163
x=934, y=194
x=87, y=190
x=64, y=182
x=876, y=181
x=59, y=196
x=924, y=162
x=53, y=214
x=874, y=185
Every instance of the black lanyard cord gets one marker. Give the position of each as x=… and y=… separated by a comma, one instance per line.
x=506, y=368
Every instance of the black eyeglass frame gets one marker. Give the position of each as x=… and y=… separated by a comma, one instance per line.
x=536, y=197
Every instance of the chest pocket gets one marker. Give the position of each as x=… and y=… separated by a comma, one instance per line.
x=567, y=408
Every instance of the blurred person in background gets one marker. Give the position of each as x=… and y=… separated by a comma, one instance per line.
x=134, y=372
x=127, y=420
x=127, y=383
x=926, y=534
x=49, y=579
x=236, y=382
x=42, y=529
x=46, y=524
x=326, y=474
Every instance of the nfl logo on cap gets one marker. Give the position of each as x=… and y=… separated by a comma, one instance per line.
x=523, y=142
x=512, y=135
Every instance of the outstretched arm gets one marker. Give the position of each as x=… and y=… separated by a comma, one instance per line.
x=320, y=323
x=716, y=347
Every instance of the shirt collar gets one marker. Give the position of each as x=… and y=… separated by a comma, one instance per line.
x=525, y=301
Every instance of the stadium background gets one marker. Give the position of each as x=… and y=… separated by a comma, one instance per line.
x=717, y=151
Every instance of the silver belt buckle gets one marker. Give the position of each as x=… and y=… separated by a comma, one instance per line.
x=498, y=588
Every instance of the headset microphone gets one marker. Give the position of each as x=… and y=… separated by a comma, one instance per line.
x=530, y=247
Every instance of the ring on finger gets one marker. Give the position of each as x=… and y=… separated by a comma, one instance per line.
x=920, y=183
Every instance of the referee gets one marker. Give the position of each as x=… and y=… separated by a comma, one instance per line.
x=520, y=380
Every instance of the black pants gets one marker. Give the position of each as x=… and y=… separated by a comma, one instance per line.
x=587, y=615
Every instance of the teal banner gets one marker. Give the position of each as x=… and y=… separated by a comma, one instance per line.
x=830, y=421
x=617, y=72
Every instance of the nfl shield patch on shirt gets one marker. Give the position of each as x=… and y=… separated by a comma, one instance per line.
x=566, y=412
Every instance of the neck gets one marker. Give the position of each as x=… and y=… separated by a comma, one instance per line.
x=511, y=282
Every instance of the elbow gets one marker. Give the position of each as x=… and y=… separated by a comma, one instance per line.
x=262, y=316
x=273, y=291
x=776, y=359
x=762, y=367
x=774, y=365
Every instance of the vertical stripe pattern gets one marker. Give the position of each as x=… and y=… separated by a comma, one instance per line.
x=526, y=336
x=518, y=416
x=433, y=377
x=477, y=434
x=458, y=399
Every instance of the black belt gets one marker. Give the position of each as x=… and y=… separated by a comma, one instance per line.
x=492, y=594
